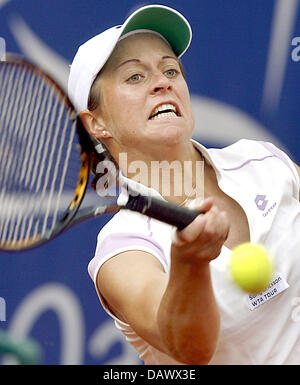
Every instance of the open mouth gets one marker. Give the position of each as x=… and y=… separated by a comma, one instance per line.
x=164, y=110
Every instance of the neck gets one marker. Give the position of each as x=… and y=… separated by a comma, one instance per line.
x=176, y=173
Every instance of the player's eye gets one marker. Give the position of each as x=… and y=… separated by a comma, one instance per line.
x=171, y=73
x=134, y=78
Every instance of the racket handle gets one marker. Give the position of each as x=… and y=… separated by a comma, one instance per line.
x=163, y=211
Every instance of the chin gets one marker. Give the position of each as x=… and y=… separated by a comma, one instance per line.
x=173, y=135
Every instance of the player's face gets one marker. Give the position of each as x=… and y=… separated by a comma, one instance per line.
x=144, y=97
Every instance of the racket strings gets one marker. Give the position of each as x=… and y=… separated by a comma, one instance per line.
x=9, y=137
x=24, y=220
x=33, y=180
x=39, y=160
x=56, y=177
x=13, y=116
x=29, y=116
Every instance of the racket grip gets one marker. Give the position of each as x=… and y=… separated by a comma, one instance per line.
x=163, y=211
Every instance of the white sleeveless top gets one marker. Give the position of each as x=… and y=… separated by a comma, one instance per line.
x=260, y=330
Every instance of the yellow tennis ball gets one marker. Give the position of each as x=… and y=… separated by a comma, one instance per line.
x=251, y=267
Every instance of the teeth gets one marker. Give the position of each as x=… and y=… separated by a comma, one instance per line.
x=164, y=107
x=163, y=114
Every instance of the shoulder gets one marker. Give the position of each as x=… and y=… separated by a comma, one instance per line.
x=125, y=221
x=246, y=151
x=128, y=230
x=242, y=149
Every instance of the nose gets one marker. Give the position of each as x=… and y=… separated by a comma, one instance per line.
x=160, y=84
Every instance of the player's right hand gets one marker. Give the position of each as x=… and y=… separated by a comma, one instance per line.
x=202, y=240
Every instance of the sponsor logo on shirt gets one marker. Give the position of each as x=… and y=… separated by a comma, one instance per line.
x=277, y=285
x=261, y=202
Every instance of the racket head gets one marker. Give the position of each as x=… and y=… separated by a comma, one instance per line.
x=44, y=156
x=45, y=161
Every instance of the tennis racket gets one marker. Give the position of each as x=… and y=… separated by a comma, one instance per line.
x=45, y=163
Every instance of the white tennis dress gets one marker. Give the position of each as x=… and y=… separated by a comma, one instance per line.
x=254, y=330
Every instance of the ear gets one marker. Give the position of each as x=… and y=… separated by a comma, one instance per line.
x=94, y=126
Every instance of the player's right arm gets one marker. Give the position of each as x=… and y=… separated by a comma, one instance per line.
x=176, y=313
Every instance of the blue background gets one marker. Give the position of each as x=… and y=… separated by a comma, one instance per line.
x=48, y=293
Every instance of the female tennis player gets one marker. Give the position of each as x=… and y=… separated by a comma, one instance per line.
x=168, y=291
